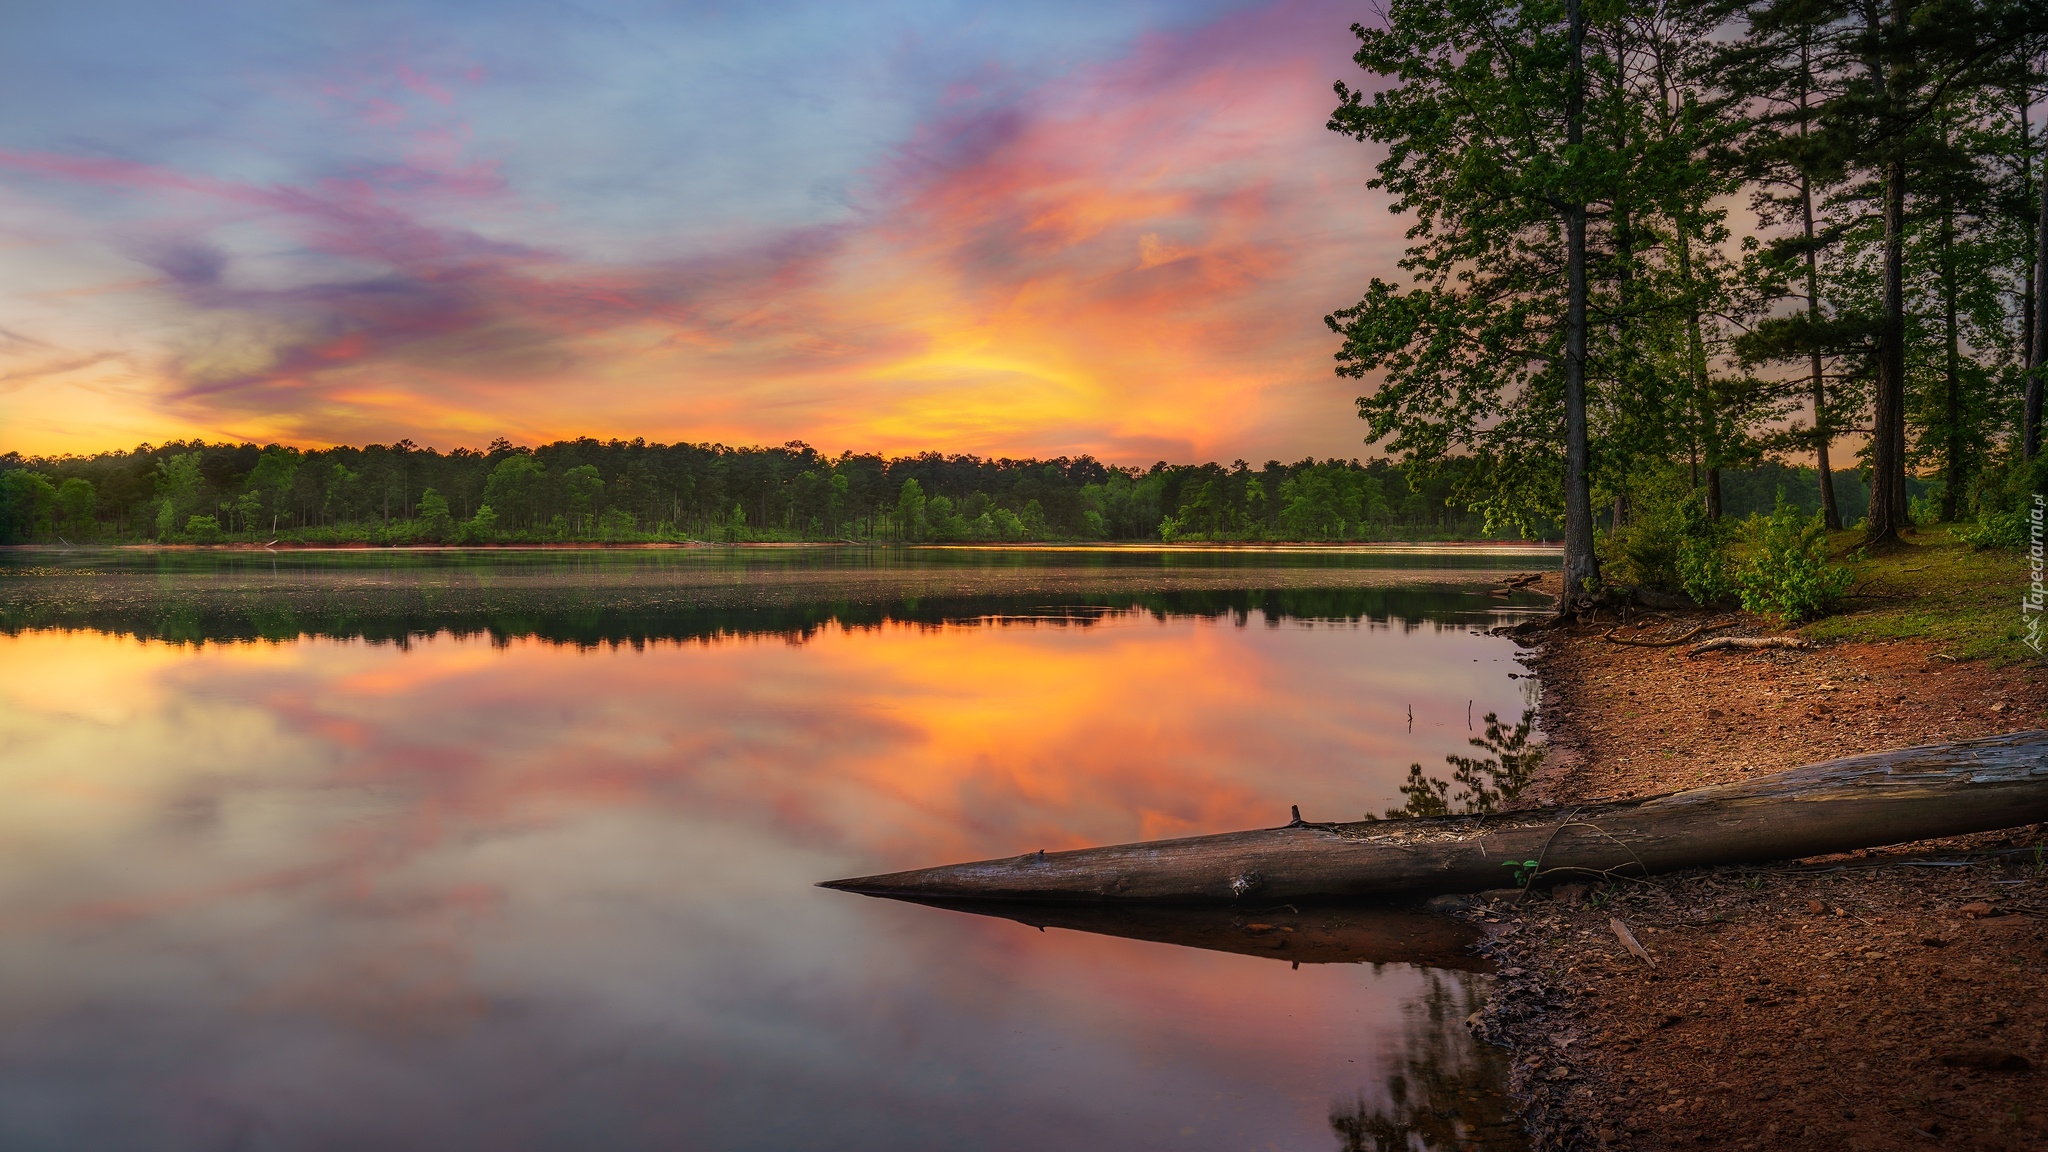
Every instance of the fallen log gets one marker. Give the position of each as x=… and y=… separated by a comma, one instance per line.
x=1312, y=934
x=1836, y=806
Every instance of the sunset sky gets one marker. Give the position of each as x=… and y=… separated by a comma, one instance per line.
x=1109, y=226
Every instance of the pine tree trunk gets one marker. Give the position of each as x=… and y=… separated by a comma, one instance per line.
x=2037, y=352
x=1952, y=398
x=1581, y=565
x=1831, y=513
x=1888, y=424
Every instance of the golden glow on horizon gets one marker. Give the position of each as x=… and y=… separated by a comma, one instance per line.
x=1138, y=271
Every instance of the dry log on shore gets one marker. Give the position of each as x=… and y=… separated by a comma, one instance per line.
x=1835, y=806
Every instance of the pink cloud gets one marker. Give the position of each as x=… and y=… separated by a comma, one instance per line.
x=1132, y=260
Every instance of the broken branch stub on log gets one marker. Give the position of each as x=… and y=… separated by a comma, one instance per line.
x=1836, y=806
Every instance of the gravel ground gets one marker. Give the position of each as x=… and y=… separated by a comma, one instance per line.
x=1874, y=1000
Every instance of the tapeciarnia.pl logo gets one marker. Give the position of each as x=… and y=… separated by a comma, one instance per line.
x=2037, y=563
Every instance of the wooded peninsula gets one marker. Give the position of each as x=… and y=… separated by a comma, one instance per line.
x=635, y=492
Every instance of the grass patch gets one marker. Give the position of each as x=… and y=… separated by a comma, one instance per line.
x=1935, y=589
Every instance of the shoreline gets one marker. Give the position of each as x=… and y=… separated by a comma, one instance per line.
x=1894, y=998
x=1534, y=548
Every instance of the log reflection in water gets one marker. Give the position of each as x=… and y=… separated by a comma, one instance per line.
x=1447, y=1089
x=1303, y=934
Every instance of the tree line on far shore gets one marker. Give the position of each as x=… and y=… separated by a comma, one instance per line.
x=620, y=491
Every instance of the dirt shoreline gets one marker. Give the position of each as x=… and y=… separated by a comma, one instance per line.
x=1875, y=1000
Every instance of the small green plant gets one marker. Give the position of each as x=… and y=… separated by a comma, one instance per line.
x=1787, y=575
x=481, y=527
x=2008, y=530
x=435, y=523
x=1525, y=870
x=1925, y=509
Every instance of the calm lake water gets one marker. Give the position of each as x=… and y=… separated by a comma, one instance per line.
x=435, y=850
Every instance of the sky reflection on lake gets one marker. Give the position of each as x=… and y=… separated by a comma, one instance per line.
x=462, y=894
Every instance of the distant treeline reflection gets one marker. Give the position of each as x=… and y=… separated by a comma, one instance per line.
x=399, y=614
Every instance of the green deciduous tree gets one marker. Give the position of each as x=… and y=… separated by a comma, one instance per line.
x=76, y=500
x=1485, y=355
x=26, y=500
x=515, y=489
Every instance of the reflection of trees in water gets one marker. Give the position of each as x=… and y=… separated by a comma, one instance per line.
x=587, y=614
x=1485, y=784
x=1447, y=1090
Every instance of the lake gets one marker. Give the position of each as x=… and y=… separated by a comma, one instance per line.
x=518, y=849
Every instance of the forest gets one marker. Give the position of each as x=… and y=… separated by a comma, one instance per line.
x=615, y=491
x=1665, y=261
x=1654, y=244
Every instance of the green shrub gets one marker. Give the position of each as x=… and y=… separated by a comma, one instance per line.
x=1672, y=545
x=2010, y=530
x=435, y=523
x=481, y=528
x=1926, y=508
x=1787, y=574
x=2005, y=505
x=203, y=529
x=615, y=524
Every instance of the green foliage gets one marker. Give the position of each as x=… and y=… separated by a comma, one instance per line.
x=1787, y=574
x=275, y=476
x=177, y=485
x=435, y=523
x=370, y=495
x=1473, y=106
x=1672, y=545
x=2012, y=531
x=76, y=499
x=582, y=485
x=514, y=489
x=1491, y=783
x=481, y=528
x=203, y=530
x=736, y=525
x=2009, y=496
x=26, y=500
x=1330, y=502
x=910, y=517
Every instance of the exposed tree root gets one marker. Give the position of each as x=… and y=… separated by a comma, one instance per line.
x=1750, y=644
x=1674, y=642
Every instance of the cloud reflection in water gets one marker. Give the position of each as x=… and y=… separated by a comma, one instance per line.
x=338, y=893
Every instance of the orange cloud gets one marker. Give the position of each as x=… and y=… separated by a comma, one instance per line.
x=1132, y=262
